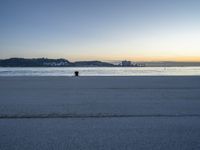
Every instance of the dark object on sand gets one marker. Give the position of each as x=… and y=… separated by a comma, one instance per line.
x=76, y=73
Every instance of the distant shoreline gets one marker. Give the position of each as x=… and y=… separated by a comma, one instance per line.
x=45, y=62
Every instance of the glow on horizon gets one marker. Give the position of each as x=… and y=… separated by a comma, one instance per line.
x=138, y=59
x=137, y=30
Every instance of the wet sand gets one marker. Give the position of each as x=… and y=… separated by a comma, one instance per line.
x=100, y=112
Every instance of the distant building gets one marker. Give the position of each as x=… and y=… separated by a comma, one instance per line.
x=126, y=63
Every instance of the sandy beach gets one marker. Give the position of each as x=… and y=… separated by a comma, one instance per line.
x=100, y=113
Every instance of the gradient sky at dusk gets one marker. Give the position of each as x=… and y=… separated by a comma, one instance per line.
x=101, y=29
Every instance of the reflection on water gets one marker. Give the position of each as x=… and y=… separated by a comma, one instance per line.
x=99, y=71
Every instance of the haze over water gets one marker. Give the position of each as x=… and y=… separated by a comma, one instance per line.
x=101, y=71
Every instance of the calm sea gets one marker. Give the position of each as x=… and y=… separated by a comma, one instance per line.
x=100, y=71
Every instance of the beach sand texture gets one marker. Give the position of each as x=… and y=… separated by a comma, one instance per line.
x=100, y=112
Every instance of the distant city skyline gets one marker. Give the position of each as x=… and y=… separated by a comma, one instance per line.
x=107, y=30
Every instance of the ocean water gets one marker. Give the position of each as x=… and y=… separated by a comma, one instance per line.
x=100, y=71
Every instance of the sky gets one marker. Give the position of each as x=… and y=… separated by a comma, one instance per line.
x=137, y=30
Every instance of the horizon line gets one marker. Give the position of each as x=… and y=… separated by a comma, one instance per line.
x=111, y=60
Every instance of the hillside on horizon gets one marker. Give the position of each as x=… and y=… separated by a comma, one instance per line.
x=61, y=62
